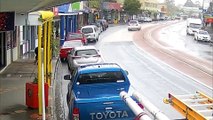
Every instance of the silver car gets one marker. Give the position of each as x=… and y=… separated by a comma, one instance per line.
x=202, y=35
x=82, y=56
x=134, y=25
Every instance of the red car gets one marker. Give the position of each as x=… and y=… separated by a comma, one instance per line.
x=76, y=36
x=68, y=46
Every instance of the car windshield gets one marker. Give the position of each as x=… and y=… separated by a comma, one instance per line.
x=101, y=77
x=86, y=52
x=74, y=36
x=71, y=44
x=87, y=30
x=195, y=25
x=133, y=22
x=203, y=32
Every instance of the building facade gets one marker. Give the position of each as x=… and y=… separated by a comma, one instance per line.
x=149, y=8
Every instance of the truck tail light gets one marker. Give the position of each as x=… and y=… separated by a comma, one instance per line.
x=75, y=114
x=140, y=105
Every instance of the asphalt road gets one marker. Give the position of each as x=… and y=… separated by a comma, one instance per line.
x=150, y=76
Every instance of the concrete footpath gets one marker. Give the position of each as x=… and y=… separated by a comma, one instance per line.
x=12, y=90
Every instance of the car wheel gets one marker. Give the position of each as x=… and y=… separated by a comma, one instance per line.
x=62, y=60
x=67, y=100
x=68, y=66
x=97, y=39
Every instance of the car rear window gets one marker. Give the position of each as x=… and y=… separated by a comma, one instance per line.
x=87, y=30
x=86, y=52
x=71, y=44
x=101, y=77
x=73, y=36
x=133, y=22
x=203, y=32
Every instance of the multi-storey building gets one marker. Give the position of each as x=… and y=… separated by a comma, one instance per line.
x=149, y=8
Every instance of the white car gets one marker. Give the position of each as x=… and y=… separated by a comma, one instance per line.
x=91, y=32
x=202, y=35
x=147, y=19
x=82, y=56
x=134, y=25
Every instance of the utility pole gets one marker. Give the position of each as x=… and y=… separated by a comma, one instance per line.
x=101, y=9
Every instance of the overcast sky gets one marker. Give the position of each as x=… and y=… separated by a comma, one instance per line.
x=182, y=2
x=177, y=2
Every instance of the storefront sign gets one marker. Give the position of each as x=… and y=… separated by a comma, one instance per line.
x=209, y=20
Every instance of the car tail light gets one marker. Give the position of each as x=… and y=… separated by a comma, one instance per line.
x=74, y=57
x=75, y=114
x=62, y=51
x=97, y=56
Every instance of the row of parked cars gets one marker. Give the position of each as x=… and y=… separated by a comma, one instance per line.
x=94, y=86
x=75, y=50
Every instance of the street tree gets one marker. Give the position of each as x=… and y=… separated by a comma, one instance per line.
x=171, y=8
x=132, y=7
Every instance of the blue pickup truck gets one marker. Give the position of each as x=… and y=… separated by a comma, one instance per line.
x=93, y=93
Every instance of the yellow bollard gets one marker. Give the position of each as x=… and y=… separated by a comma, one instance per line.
x=39, y=71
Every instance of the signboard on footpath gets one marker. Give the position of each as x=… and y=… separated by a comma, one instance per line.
x=7, y=21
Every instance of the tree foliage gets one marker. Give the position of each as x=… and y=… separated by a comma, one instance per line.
x=171, y=8
x=132, y=6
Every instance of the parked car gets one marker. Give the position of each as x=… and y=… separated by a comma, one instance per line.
x=104, y=22
x=82, y=56
x=94, y=93
x=141, y=19
x=147, y=19
x=134, y=25
x=91, y=32
x=67, y=46
x=76, y=36
x=100, y=27
x=202, y=35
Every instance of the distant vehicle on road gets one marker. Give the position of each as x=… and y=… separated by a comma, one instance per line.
x=67, y=46
x=93, y=93
x=202, y=35
x=134, y=25
x=82, y=56
x=193, y=25
x=76, y=36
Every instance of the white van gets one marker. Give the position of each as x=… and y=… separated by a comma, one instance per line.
x=193, y=25
x=91, y=32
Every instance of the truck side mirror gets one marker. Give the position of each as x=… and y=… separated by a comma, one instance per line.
x=67, y=77
x=127, y=72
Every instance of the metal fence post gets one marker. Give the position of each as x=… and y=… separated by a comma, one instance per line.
x=140, y=114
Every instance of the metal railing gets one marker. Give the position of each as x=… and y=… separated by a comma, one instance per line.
x=138, y=111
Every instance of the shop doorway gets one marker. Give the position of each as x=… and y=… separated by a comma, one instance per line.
x=2, y=50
